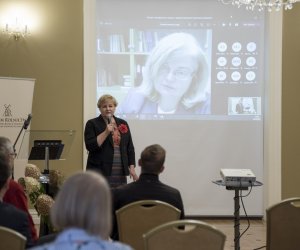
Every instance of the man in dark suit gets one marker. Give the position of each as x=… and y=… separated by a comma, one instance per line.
x=148, y=186
x=10, y=216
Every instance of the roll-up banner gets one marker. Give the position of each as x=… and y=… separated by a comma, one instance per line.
x=16, y=96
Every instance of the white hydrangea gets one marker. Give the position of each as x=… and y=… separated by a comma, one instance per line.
x=32, y=185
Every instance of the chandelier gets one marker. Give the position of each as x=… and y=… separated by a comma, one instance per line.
x=262, y=4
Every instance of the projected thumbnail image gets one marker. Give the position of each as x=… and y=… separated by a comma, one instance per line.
x=244, y=106
x=238, y=65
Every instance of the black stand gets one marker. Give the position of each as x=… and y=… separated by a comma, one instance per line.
x=25, y=126
x=236, y=219
x=237, y=189
x=237, y=234
x=46, y=149
x=46, y=145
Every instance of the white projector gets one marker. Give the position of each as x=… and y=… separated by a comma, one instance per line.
x=237, y=177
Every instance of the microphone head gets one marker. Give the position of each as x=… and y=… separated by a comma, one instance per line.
x=27, y=121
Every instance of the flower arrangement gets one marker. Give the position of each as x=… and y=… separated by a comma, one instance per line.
x=32, y=188
x=32, y=171
x=36, y=192
x=43, y=204
x=123, y=128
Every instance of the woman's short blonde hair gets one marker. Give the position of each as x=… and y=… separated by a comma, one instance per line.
x=104, y=98
x=84, y=201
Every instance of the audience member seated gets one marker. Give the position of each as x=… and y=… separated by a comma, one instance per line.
x=15, y=194
x=148, y=186
x=10, y=216
x=82, y=214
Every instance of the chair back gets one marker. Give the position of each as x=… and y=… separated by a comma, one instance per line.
x=283, y=225
x=184, y=234
x=137, y=218
x=11, y=239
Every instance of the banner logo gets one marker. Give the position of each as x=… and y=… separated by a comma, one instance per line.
x=7, y=111
x=8, y=120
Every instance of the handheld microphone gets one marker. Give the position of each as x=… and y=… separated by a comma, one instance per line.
x=108, y=119
x=27, y=121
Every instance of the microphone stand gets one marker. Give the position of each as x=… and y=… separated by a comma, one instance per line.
x=25, y=126
x=14, y=146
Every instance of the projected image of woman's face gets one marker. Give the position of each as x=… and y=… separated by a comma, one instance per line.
x=174, y=78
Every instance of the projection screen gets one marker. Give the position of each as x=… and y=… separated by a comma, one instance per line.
x=203, y=129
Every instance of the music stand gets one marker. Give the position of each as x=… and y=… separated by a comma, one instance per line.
x=46, y=145
x=46, y=150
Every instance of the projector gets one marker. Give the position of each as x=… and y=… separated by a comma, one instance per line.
x=237, y=177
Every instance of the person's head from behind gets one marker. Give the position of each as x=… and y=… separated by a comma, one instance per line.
x=176, y=69
x=107, y=105
x=152, y=159
x=7, y=148
x=5, y=173
x=84, y=202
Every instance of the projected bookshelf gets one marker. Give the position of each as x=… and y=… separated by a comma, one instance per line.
x=121, y=55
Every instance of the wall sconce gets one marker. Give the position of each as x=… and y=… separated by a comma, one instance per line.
x=16, y=29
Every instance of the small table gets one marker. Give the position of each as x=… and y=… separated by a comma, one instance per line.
x=237, y=188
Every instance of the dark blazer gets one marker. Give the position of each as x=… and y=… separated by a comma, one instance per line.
x=15, y=219
x=101, y=158
x=148, y=187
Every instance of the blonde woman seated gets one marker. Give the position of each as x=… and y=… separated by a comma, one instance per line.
x=82, y=210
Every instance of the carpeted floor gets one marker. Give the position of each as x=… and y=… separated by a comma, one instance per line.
x=253, y=238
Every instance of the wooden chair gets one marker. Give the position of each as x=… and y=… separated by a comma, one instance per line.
x=184, y=234
x=137, y=218
x=11, y=239
x=283, y=225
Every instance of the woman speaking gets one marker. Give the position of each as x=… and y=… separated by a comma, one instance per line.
x=109, y=143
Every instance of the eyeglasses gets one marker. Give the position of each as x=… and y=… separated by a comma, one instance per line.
x=13, y=155
x=179, y=73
